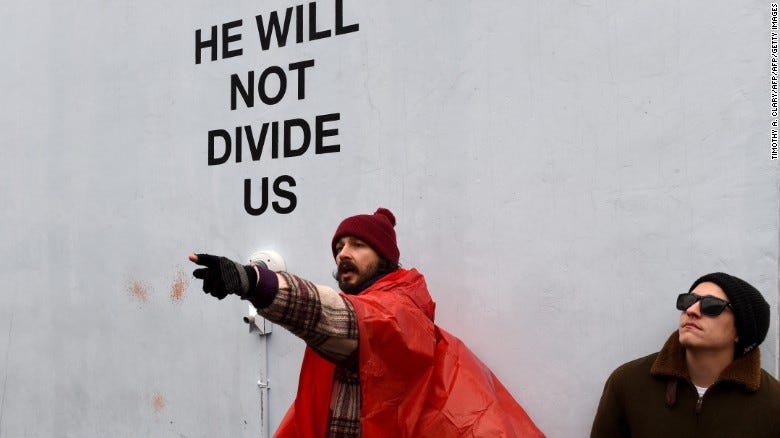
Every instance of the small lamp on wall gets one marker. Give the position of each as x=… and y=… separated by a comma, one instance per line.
x=265, y=259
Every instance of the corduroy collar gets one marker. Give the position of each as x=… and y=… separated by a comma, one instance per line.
x=744, y=370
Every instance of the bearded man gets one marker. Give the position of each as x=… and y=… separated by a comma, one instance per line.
x=375, y=364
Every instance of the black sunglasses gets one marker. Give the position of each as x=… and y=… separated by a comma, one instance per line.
x=710, y=306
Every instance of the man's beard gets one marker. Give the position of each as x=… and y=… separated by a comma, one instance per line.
x=364, y=279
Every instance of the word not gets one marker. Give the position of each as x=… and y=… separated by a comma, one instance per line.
x=290, y=128
x=248, y=93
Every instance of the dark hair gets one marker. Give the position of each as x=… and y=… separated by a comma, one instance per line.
x=385, y=267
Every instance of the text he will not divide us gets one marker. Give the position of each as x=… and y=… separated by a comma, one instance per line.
x=293, y=136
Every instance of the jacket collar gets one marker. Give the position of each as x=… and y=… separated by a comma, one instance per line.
x=410, y=283
x=744, y=370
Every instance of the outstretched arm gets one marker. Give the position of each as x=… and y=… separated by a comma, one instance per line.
x=317, y=314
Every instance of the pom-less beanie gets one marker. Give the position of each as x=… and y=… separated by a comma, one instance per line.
x=751, y=311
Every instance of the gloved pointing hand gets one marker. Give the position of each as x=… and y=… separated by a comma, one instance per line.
x=222, y=276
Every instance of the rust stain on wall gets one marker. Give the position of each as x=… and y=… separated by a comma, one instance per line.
x=179, y=287
x=138, y=290
x=158, y=403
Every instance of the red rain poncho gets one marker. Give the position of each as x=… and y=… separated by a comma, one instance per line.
x=416, y=379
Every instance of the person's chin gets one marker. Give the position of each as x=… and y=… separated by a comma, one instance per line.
x=687, y=340
x=348, y=286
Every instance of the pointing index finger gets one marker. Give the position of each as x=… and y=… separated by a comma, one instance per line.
x=205, y=259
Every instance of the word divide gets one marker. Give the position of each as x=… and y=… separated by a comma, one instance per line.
x=296, y=136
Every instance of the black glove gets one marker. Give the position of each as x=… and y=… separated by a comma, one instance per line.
x=222, y=276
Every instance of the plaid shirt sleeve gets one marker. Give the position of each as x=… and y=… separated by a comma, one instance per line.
x=320, y=316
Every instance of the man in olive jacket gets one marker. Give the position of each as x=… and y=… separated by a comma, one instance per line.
x=707, y=379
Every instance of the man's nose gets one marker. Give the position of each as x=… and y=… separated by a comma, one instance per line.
x=695, y=309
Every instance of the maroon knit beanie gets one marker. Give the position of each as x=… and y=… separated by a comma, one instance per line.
x=374, y=229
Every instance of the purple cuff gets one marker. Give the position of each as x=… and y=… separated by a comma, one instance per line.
x=266, y=290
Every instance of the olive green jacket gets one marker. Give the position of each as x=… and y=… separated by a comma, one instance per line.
x=653, y=397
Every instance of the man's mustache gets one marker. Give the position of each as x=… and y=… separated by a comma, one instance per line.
x=346, y=266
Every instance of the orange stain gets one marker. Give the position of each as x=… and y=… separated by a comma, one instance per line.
x=179, y=287
x=138, y=290
x=158, y=403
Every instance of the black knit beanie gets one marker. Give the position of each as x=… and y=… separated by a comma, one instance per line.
x=751, y=311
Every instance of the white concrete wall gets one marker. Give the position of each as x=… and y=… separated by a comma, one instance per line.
x=560, y=171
